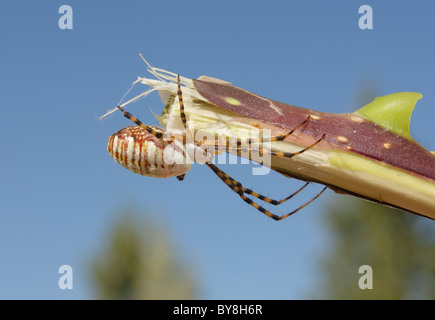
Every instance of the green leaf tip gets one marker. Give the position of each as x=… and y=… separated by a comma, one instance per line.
x=392, y=112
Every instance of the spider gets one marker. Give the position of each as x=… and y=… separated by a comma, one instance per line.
x=143, y=149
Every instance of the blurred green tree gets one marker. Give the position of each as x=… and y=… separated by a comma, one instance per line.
x=399, y=246
x=139, y=261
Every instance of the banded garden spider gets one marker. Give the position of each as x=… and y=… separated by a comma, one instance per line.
x=142, y=149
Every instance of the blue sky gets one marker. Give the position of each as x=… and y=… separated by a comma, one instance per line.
x=60, y=190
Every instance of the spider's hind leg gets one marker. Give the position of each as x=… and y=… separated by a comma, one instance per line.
x=240, y=190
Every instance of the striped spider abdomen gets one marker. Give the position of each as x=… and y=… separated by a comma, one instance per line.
x=143, y=153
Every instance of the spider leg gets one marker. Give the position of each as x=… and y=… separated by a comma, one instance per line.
x=240, y=190
x=151, y=130
x=281, y=154
x=236, y=186
x=292, y=154
x=268, y=200
x=180, y=99
x=239, y=143
x=274, y=138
